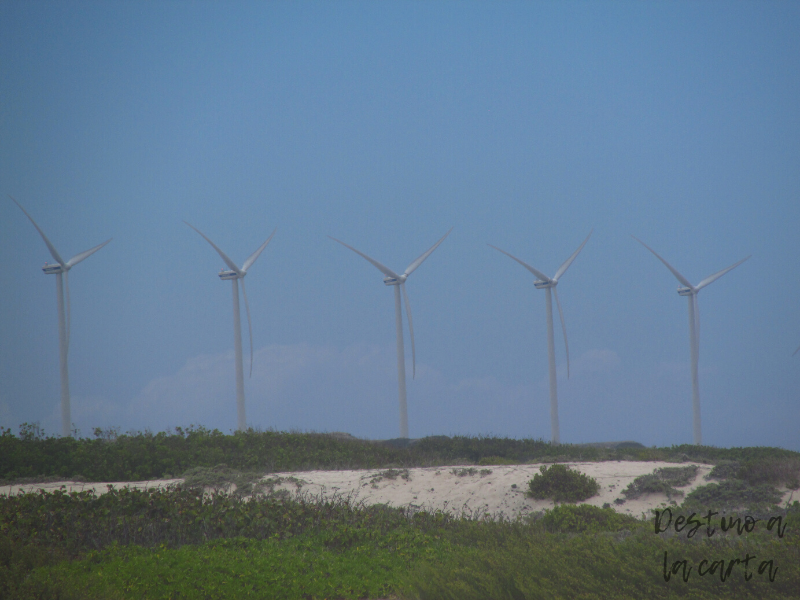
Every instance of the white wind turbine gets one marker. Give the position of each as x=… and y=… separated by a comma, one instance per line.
x=57, y=269
x=691, y=291
x=235, y=274
x=399, y=281
x=547, y=283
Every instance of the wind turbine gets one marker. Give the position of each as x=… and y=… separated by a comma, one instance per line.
x=691, y=291
x=543, y=282
x=796, y=351
x=234, y=275
x=57, y=269
x=399, y=282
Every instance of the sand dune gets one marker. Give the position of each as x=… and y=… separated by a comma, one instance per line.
x=495, y=490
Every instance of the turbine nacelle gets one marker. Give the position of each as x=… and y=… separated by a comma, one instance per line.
x=543, y=285
x=54, y=269
x=226, y=275
x=389, y=280
x=685, y=291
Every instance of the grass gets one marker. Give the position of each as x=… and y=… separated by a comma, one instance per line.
x=301, y=567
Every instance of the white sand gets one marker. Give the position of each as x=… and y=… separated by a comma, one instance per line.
x=498, y=492
x=437, y=488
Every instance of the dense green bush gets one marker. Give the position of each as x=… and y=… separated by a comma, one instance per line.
x=562, y=484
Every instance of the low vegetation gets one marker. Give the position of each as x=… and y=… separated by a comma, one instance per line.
x=109, y=455
x=734, y=495
x=222, y=478
x=204, y=539
x=661, y=481
x=180, y=543
x=390, y=474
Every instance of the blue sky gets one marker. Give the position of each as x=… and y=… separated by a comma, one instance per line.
x=523, y=125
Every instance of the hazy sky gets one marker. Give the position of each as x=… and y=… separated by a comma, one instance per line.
x=523, y=125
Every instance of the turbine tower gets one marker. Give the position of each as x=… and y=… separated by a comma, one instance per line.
x=57, y=269
x=543, y=282
x=691, y=291
x=234, y=275
x=399, y=282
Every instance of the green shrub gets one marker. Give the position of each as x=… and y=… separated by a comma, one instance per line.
x=585, y=518
x=464, y=472
x=562, y=484
x=490, y=461
x=733, y=495
x=724, y=469
x=771, y=471
x=661, y=481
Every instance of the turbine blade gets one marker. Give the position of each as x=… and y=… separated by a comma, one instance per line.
x=719, y=274
x=84, y=255
x=411, y=329
x=249, y=262
x=796, y=351
x=231, y=265
x=249, y=324
x=69, y=308
x=680, y=277
x=563, y=326
x=53, y=252
x=413, y=266
x=383, y=269
x=563, y=268
x=538, y=274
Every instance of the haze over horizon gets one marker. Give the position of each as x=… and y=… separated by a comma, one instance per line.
x=522, y=125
